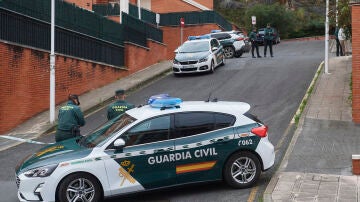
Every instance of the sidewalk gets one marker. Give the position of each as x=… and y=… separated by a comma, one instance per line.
x=39, y=124
x=317, y=165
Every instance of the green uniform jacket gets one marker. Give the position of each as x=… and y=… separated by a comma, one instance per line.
x=117, y=108
x=269, y=34
x=252, y=36
x=70, y=115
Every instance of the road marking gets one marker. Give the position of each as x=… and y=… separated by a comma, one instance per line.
x=253, y=193
x=22, y=140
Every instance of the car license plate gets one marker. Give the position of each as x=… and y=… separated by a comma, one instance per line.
x=187, y=66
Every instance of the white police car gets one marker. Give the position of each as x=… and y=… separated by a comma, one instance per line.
x=198, y=54
x=163, y=144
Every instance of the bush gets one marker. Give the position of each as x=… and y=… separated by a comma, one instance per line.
x=277, y=15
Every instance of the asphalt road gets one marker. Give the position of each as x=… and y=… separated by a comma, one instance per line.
x=274, y=87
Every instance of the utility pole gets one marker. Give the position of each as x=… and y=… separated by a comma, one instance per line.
x=52, y=64
x=327, y=38
x=139, y=8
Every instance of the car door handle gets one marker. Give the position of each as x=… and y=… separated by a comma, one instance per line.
x=170, y=148
x=223, y=140
x=159, y=150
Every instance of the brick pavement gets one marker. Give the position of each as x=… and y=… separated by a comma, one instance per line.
x=317, y=164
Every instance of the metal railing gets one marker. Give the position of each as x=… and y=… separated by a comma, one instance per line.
x=24, y=30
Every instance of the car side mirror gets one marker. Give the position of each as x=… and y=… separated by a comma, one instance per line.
x=119, y=143
x=214, y=49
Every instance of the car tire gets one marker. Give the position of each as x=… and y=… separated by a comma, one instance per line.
x=222, y=61
x=212, y=67
x=79, y=185
x=229, y=52
x=242, y=170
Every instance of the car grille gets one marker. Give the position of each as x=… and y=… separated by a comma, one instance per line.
x=17, y=182
x=189, y=69
x=188, y=62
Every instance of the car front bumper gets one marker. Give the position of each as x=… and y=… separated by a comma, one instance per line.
x=36, y=188
x=192, y=68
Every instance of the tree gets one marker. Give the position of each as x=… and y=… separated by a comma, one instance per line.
x=275, y=14
x=344, y=16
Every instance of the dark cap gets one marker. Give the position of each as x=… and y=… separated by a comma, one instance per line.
x=120, y=92
x=73, y=96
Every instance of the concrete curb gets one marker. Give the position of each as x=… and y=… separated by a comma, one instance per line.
x=274, y=179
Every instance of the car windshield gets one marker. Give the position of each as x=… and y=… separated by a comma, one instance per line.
x=106, y=130
x=193, y=47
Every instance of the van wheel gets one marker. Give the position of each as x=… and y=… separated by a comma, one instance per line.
x=79, y=187
x=242, y=170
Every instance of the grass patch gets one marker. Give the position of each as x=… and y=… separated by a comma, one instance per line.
x=307, y=96
x=350, y=85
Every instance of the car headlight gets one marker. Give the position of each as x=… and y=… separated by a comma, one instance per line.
x=41, y=171
x=203, y=59
x=176, y=62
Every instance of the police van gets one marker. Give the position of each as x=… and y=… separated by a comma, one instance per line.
x=164, y=143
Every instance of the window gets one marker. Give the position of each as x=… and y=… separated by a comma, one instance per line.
x=214, y=43
x=221, y=36
x=223, y=120
x=187, y=124
x=153, y=130
x=107, y=130
x=252, y=117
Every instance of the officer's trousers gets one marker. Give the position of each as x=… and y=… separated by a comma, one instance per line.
x=338, y=48
x=254, y=45
x=61, y=135
x=266, y=44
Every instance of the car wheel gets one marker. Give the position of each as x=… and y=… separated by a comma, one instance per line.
x=212, y=67
x=79, y=187
x=229, y=52
x=223, y=61
x=242, y=170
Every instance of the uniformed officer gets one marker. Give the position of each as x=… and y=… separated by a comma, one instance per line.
x=70, y=119
x=338, y=46
x=268, y=39
x=119, y=106
x=254, y=45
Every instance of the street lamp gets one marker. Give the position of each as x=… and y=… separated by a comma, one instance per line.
x=139, y=8
x=52, y=64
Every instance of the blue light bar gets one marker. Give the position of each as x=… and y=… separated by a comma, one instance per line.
x=205, y=36
x=164, y=101
x=192, y=38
